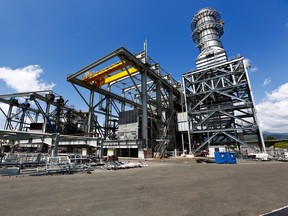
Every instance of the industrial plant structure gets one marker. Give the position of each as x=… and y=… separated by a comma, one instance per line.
x=136, y=109
x=137, y=101
x=219, y=102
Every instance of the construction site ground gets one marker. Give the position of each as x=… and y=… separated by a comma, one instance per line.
x=178, y=186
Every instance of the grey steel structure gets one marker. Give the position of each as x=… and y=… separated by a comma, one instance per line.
x=131, y=110
x=133, y=105
x=135, y=101
x=219, y=101
x=42, y=120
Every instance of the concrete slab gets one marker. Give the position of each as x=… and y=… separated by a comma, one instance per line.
x=165, y=187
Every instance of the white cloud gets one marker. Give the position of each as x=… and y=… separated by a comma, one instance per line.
x=254, y=69
x=4, y=108
x=279, y=94
x=247, y=62
x=266, y=82
x=24, y=79
x=273, y=112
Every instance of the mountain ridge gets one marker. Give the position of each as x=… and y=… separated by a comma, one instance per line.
x=275, y=135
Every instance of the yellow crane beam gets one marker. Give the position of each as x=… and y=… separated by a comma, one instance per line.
x=120, y=75
x=88, y=77
x=102, y=77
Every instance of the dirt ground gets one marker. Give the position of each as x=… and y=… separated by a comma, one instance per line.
x=164, y=187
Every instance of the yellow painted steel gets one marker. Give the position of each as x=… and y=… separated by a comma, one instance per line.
x=120, y=75
x=101, y=77
x=88, y=77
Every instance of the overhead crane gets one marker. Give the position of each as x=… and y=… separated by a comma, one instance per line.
x=146, y=90
x=127, y=57
x=104, y=76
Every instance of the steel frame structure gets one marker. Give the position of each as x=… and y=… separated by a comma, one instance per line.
x=46, y=107
x=55, y=123
x=219, y=102
x=133, y=82
x=220, y=106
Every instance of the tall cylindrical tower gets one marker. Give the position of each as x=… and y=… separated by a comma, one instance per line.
x=207, y=28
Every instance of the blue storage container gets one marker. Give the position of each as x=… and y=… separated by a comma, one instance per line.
x=220, y=157
x=230, y=157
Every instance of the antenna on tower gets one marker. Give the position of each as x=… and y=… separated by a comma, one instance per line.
x=145, y=50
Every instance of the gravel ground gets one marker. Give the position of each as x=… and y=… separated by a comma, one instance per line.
x=164, y=187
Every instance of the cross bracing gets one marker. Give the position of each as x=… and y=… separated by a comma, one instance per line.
x=121, y=82
x=220, y=106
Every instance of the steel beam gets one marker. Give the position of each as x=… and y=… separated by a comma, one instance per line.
x=25, y=94
x=150, y=73
x=94, y=64
x=144, y=109
x=104, y=92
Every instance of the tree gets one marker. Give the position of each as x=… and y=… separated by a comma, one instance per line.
x=269, y=138
x=281, y=145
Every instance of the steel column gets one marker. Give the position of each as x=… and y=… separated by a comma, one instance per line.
x=172, y=121
x=186, y=108
x=45, y=119
x=159, y=108
x=8, y=118
x=107, y=113
x=91, y=112
x=260, y=134
x=144, y=108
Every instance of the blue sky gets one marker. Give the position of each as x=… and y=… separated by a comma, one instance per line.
x=61, y=37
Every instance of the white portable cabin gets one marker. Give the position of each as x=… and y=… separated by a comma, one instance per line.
x=213, y=149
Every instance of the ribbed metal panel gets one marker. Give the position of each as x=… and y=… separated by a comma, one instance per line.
x=127, y=117
x=207, y=28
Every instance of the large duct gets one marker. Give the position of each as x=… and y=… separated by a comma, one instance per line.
x=207, y=28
